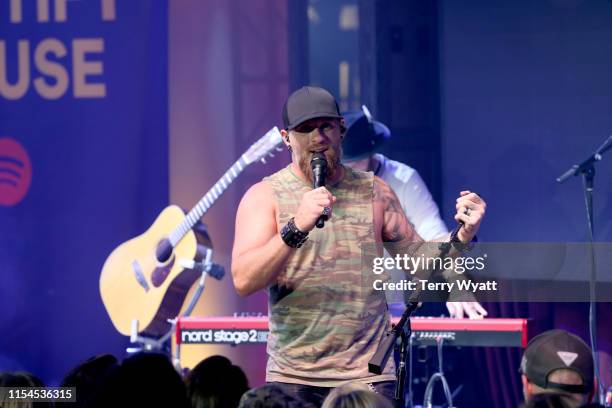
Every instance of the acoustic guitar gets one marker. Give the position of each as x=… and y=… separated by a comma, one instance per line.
x=143, y=279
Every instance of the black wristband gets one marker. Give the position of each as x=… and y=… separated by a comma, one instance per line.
x=458, y=245
x=292, y=236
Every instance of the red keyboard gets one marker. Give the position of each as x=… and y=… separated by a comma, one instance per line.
x=491, y=332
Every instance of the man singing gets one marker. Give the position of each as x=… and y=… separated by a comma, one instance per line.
x=325, y=325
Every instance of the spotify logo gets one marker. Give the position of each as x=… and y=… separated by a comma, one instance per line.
x=15, y=172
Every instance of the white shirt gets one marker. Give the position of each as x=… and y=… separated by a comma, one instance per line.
x=420, y=208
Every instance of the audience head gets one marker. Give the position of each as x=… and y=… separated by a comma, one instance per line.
x=20, y=379
x=270, y=396
x=551, y=400
x=89, y=379
x=557, y=361
x=145, y=379
x=216, y=383
x=355, y=395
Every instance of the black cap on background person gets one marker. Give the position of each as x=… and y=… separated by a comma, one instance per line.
x=364, y=135
x=557, y=360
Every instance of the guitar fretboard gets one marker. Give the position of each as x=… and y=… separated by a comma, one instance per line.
x=207, y=201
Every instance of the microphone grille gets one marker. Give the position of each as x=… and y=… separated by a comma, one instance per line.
x=318, y=159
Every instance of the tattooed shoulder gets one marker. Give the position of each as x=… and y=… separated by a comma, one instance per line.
x=395, y=226
x=386, y=196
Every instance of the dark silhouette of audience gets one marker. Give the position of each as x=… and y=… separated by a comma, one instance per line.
x=144, y=380
x=150, y=380
x=216, y=383
x=551, y=400
x=89, y=378
x=18, y=380
x=556, y=400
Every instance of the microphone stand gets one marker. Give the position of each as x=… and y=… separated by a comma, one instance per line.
x=378, y=362
x=587, y=169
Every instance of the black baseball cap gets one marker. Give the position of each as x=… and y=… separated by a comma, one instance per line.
x=555, y=349
x=307, y=103
x=363, y=136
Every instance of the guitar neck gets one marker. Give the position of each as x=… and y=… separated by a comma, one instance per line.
x=207, y=201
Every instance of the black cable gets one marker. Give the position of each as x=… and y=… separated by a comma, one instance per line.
x=588, y=191
x=411, y=399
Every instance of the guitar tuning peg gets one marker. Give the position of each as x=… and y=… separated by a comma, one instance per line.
x=263, y=160
x=279, y=149
x=271, y=154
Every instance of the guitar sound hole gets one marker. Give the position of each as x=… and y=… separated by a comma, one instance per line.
x=164, y=251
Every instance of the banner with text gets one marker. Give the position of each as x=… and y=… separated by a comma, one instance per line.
x=83, y=167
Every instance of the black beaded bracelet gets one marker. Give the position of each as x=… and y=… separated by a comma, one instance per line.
x=460, y=246
x=292, y=236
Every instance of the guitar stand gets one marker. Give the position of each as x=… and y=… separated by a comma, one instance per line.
x=148, y=344
x=439, y=376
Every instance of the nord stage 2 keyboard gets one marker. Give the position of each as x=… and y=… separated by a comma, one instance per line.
x=491, y=332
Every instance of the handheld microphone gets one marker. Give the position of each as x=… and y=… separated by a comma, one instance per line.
x=318, y=164
x=460, y=224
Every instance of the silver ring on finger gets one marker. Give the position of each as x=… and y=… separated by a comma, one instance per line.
x=326, y=211
x=467, y=212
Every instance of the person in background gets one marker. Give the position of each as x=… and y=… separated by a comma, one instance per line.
x=551, y=400
x=216, y=383
x=355, y=395
x=558, y=361
x=144, y=380
x=364, y=137
x=89, y=378
x=19, y=380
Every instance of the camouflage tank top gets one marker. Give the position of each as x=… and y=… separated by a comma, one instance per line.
x=326, y=320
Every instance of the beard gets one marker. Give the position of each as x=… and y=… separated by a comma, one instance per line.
x=333, y=155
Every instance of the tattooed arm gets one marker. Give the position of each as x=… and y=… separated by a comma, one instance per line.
x=392, y=225
x=390, y=221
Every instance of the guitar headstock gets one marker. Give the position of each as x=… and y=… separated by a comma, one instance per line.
x=263, y=146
